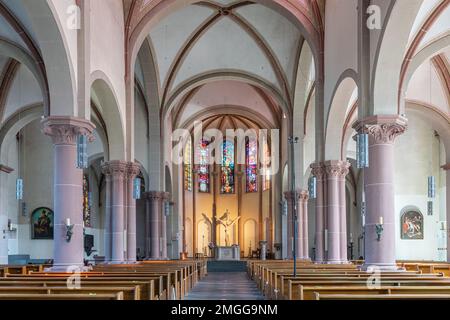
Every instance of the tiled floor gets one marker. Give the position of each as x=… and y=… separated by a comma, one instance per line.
x=225, y=286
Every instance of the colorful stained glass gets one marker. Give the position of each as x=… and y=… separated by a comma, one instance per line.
x=86, y=202
x=227, y=170
x=188, y=165
x=203, y=166
x=251, y=170
x=266, y=166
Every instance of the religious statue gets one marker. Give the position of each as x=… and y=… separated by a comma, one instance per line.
x=227, y=222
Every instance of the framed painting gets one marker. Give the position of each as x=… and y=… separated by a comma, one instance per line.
x=42, y=222
x=411, y=225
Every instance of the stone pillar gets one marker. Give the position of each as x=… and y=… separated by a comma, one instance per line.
x=263, y=247
x=4, y=232
x=68, y=189
x=447, y=205
x=336, y=171
x=107, y=224
x=379, y=188
x=164, y=199
x=343, y=211
x=333, y=211
x=319, y=172
x=133, y=171
x=117, y=170
x=155, y=213
x=303, y=209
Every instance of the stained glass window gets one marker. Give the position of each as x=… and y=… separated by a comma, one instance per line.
x=188, y=165
x=203, y=166
x=251, y=170
x=227, y=170
x=266, y=166
x=86, y=202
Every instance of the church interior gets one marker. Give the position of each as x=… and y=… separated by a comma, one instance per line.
x=296, y=147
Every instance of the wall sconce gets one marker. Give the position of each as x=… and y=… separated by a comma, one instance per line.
x=69, y=230
x=379, y=229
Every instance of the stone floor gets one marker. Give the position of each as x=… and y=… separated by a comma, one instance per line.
x=225, y=286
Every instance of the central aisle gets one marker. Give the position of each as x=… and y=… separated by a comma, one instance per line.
x=225, y=286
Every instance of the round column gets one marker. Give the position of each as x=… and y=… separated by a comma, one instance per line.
x=343, y=212
x=333, y=211
x=164, y=197
x=319, y=172
x=379, y=189
x=107, y=221
x=68, y=254
x=133, y=171
x=447, y=204
x=303, y=205
x=155, y=199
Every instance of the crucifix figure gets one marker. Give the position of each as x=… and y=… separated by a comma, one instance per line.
x=227, y=222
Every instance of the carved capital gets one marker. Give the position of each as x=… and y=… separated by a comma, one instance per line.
x=337, y=169
x=115, y=169
x=318, y=170
x=65, y=130
x=133, y=170
x=303, y=196
x=382, y=129
x=156, y=195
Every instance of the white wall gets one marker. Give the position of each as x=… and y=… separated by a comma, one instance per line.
x=417, y=156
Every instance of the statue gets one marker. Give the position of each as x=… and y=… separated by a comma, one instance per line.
x=227, y=222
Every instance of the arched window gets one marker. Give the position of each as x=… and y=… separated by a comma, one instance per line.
x=266, y=174
x=227, y=170
x=251, y=162
x=188, y=165
x=203, y=166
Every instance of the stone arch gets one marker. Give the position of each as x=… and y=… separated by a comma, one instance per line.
x=337, y=114
x=12, y=50
x=419, y=58
x=15, y=123
x=389, y=56
x=56, y=55
x=111, y=114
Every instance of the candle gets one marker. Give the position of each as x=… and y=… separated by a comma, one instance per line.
x=326, y=239
x=68, y=222
x=351, y=237
x=381, y=220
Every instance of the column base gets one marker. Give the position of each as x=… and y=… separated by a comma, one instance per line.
x=382, y=267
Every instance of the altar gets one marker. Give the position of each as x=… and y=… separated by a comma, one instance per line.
x=227, y=253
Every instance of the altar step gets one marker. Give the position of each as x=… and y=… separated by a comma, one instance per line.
x=227, y=266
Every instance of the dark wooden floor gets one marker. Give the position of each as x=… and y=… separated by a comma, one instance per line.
x=225, y=286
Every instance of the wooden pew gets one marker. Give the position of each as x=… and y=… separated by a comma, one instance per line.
x=383, y=297
x=73, y=296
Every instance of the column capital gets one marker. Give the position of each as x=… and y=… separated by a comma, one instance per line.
x=446, y=167
x=318, y=170
x=337, y=168
x=133, y=169
x=303, y=196
x=65, y=129
x=382, y=128
x=156, y=195
x=115, y=168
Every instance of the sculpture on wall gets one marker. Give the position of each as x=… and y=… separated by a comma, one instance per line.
x=411, y=225
x=226, y=221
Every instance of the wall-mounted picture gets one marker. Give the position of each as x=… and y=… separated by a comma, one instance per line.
x=42, y=221
x=412, y=225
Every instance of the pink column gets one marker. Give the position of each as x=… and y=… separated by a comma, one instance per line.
x=4, y=234
x=117, y=170
x=379, y=188
x=303, y=205
x=333, y=169
x=154, y=199
x=164, y=198
x=107, y=221
x=133, y=171
x=68, y=191
x=343, y=211
x=319, y=172
x=447, y=205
